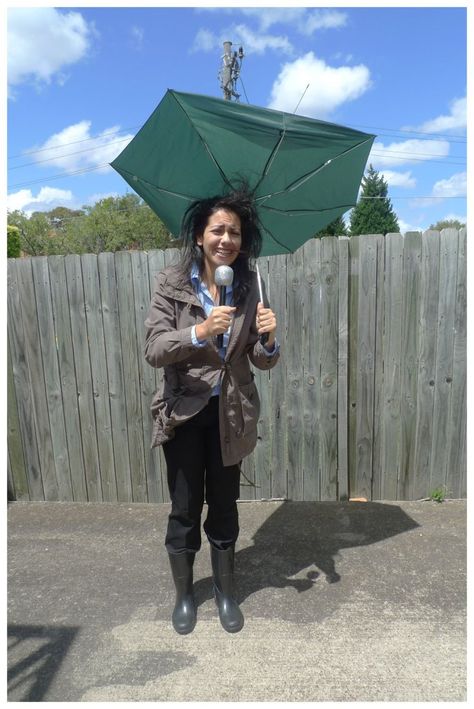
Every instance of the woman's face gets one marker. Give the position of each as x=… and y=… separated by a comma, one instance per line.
x=221, y=239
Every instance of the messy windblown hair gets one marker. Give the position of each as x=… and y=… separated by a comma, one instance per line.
x=241, y=202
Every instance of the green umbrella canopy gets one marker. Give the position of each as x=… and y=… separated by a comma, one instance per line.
x=305, y=173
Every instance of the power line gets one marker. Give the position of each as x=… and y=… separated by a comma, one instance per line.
x=66, y=155
x=58, y=177
x=462, y=138
x=72, y=142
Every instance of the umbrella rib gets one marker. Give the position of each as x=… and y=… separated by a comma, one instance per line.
x=223, y=175
x=305, y=178
x=272, y=156
x=297, y=212
x=158, y=189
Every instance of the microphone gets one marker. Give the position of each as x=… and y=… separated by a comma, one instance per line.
x=223, y=277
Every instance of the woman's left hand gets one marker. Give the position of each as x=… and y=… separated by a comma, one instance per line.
x=266, y=322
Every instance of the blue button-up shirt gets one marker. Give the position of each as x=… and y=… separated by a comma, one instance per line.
x=208, y=304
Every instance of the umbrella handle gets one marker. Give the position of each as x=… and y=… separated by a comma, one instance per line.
x=264, y=337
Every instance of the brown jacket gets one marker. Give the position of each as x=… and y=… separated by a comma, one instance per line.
x=191, y=373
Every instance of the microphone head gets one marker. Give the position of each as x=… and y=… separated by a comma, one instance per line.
x=223, y=276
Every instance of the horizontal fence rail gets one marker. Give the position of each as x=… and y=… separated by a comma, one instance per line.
x=368, y=399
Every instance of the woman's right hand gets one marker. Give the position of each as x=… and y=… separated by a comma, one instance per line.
x=217, y=323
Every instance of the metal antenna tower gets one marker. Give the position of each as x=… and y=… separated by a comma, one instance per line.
x=230, y=71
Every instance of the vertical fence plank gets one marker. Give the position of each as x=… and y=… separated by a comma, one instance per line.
x=311, y=352
x=429, y=284
x=36, y=380
x=392, y=343
x=365, y=368
x=377, y=465
x=328, y=390
x=354, y=269
x=343, y=372
x=278, y=380
x=100, y=382
x=18, y=478
x=21, y=378
x=296, y=326
x=410, y=345
x=141, y=287
x=67, y=374
x=81, y=346
x=456, y=454
x=113, y=354
x=130, y=356
x=52, y=381
x=444, y=356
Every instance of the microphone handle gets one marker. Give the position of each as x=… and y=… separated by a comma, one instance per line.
x=220, y=338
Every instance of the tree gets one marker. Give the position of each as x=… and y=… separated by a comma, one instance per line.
x=335, y=228
x=111, y=224
x=13, y=241
x=373, y=213
x=447, y=224
x=34, y=232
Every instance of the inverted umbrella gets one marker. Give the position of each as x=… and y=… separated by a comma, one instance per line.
x=304, y=173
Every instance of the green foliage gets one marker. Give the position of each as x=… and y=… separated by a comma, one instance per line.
x=335, y=228
x=447, y=224
x=373, y=213
x=13, y=241
x=438, y=494
x=112, y=224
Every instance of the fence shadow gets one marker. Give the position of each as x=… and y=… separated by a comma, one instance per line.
x=35, y=655
x=301, y=534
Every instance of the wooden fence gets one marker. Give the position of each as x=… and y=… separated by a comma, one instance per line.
x=368, y=400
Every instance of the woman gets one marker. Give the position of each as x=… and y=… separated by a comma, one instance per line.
x=206, y=413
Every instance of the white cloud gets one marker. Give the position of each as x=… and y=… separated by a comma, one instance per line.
x=47, y=198
x=329, y=87
x=258, y=43
x=407, y=151
x=304, y=20
x=73, y=148
x=43, y=41
x=454, y=186
x=205, y=41
x=322, y=20
x=399, y=179
x=253, y=42
x=455, y=120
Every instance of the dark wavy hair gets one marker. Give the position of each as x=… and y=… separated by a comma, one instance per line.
x=240, y=201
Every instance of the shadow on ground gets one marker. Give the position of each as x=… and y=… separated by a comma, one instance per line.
x=31, y=675
x=303, y=534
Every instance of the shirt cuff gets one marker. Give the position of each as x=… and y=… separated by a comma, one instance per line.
x=276, y=347
x=196, y=342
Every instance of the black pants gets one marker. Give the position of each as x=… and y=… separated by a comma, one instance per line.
x=196, y=473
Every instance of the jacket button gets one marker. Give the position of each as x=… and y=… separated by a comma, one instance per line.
x=226, y=440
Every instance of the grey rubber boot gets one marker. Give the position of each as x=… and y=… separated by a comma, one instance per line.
x=230, y=614
x=184, y=613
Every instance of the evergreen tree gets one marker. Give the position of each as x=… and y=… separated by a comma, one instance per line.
x=373, y=213
x=334, y=228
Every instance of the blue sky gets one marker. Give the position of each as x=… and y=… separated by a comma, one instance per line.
x=81, y=82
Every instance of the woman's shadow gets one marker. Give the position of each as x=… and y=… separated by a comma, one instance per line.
x=299, y=535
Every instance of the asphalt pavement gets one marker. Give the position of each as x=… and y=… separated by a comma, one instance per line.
x=342, y=602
